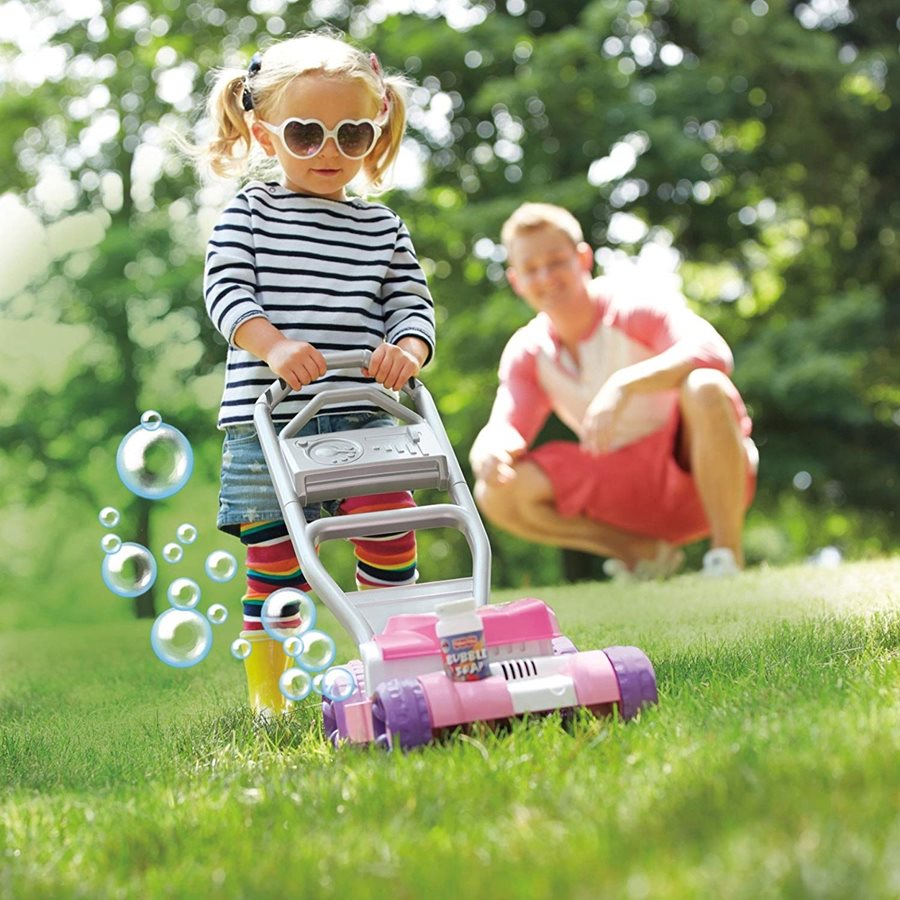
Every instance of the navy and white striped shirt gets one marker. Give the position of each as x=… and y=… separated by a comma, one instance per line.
x=339, y=274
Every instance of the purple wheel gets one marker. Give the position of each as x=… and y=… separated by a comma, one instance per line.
x=334, y=724
x=400, y=714
x=562, y=645
x=637, y=680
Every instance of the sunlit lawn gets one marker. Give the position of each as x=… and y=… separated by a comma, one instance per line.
x=770, y=768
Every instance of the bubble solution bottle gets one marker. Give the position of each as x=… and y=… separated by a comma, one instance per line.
x=461, y=634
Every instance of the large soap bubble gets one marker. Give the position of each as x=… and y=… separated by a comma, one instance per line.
x=318, y=651
x=295, y=684
x=221, y=566
x=184, y=593
x=338, y=683
x=287, y=612
x=129, y=571
x=181, y=638
x=154, y=460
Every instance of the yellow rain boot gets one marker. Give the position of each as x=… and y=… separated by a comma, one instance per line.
x=264, y=665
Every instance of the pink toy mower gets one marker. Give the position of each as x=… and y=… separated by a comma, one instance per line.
x=514, y=659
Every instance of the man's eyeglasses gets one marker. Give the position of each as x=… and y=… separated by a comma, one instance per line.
x=304, y=138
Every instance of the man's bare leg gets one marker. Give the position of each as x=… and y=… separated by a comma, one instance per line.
x=525, y=507
x=712, y=447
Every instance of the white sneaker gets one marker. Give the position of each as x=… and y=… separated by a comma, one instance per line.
x=720, y=563
x=667, y=562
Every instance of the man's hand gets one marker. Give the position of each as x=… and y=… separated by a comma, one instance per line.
x=297, y=362
x=598, y=427
x=393, y=366
x=494, y=454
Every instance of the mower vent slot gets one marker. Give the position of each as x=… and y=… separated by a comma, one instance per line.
x=516, y=669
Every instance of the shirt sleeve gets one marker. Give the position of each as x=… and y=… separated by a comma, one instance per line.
x=229, y=278
x=408, y=307
x=521, y=402
x=664, y=323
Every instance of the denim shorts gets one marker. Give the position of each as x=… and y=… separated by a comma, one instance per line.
x=246, y=494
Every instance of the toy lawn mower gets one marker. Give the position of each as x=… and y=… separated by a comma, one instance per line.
x=432, y=656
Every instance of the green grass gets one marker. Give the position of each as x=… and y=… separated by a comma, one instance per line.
x=769, y=769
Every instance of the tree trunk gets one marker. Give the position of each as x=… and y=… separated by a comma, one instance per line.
x=145, y=605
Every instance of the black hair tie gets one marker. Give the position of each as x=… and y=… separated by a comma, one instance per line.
x=252, y=69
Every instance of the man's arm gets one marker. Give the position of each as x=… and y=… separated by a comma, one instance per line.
x=683, y=340
x=520, y=409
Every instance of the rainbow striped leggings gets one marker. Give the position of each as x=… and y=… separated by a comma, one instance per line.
x=381, y=561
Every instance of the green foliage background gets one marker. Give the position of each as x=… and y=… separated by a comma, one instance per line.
x=763, y=143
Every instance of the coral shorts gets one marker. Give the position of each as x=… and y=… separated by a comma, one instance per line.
x=639, y=488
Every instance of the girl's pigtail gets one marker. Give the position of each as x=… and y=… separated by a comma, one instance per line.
x=228, y=151
x=379, y=161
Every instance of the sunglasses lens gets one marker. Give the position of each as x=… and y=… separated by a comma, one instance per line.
x=356, y=139
x=304, y=138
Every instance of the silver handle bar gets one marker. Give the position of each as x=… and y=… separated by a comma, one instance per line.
x=462, y=513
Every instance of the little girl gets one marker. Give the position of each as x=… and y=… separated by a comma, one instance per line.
x=296, y=267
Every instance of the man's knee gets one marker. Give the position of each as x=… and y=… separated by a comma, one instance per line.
x=494, y=500
x=706, y=393
x=502, y=503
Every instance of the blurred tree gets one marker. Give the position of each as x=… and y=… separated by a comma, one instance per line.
x=753, y=142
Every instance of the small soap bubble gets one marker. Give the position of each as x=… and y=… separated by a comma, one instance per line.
x=217, y=614
x=287, y=612
x=151, y=420
x=318, y=651
x=130, y=571
x=109, y=543
x=186, y=533
x=241, y=648
x=154, y=463
x=221, y=566
x=184, y=593
x=295, y=684
x=293, y=646
x=172, y=553
x=181, y=637
x=338, y=683
x=109, y=517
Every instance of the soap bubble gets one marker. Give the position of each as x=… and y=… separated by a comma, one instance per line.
x=318, y=651
x=130, y=571
x=109, y=517
x=293, y=646
x=295, y=684
x=172, y=553
x=241, y=648
x=317, y=683
x=181, y=637
x=186, y=533
x=221, y=566
x=287, y=612
x=109, y=543
x=154, y=462
x=151, y=420
x=217, y=614
x=184, y=593
x=338, y=684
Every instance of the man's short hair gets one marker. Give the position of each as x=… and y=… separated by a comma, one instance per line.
x=531, y=216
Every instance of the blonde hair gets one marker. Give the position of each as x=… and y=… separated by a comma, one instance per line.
x=231, y=153
x=532, y=216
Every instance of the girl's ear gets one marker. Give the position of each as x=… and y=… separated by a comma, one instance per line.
x=263, y=138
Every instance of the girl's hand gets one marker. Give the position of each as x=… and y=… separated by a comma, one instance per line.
x=297, y=362
x=392, y=366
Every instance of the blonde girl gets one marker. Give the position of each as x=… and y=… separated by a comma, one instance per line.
x=297, y=266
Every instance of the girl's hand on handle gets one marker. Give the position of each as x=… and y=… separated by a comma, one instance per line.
x=297, y=362
x=393, y=365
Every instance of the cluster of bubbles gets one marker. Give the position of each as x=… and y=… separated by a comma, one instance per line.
x=155, y=461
